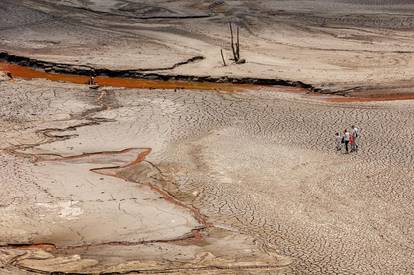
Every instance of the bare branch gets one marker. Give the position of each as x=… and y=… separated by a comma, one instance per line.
x=232, y=43
x=238, y=44
x=222, y=56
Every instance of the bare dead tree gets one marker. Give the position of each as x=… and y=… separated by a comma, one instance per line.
x=235, y=46
x=238, y=44
x=222, y=57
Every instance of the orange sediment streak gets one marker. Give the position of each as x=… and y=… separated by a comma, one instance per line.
x=123, y=82
x=140, y=158
x=27, y=72
x=159, y=84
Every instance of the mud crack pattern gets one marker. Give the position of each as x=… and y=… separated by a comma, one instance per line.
x=267, y=166
x=257, y=162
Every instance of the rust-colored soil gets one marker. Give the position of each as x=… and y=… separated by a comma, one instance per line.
x=27, y=72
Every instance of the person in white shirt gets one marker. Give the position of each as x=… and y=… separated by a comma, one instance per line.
x=338, y=140
x=346, y=137
x=355, y=136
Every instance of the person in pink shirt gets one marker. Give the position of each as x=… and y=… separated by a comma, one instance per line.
x=351, y=142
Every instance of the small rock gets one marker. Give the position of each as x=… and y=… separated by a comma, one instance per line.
x=94, y=87
x=241, y=61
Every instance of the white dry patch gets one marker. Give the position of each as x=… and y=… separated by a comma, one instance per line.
x=67, y=209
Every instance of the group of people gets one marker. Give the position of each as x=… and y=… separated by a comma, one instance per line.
x=349, y=139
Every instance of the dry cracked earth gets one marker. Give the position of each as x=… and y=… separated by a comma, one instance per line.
x=354, y=45
x=105, y=180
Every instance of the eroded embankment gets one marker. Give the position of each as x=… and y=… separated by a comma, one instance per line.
x=33, y=68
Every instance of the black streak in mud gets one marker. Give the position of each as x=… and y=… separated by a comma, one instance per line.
x=171, y=17
x=141, y=74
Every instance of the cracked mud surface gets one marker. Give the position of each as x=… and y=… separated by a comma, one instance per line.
x=358, y=45
x=143, y=176
x=93, y=207
x=244, y=182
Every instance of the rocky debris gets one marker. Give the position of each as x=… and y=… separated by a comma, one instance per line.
x=190, y=259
